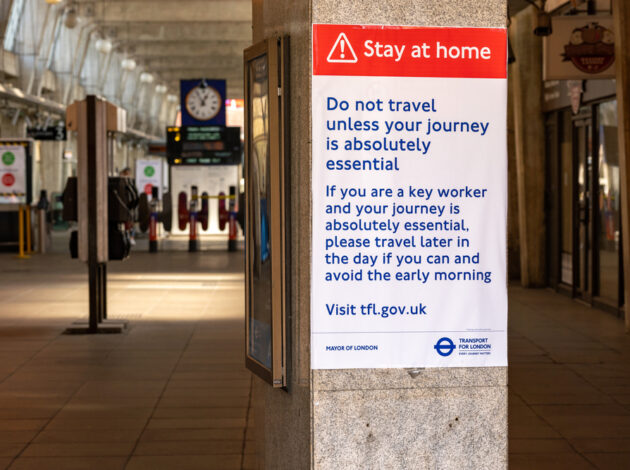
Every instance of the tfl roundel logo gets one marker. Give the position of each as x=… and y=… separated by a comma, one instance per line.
x=444, y=346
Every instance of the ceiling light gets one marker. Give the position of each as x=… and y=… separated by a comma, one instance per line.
x=172, y=98
x=128, y=64
x=146, y=77
x=104, y=46
x=160, y=89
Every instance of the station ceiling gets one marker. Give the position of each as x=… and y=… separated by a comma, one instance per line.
x=178, y=39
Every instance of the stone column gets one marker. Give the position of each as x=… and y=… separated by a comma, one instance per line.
x=367, y=418
x=621, y=13
x=529, y=136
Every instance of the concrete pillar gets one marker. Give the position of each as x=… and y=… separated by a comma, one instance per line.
x=367, y=418
x=621, y=13
x=529, y=136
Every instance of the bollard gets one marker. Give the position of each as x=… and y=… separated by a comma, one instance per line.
x=153, y=221
x=21, y=253
x=41, y=231
x=29, y=244
x=153, y=244
x=192, y=237
x=232, y=219
x=42, y=223
x=232, y=232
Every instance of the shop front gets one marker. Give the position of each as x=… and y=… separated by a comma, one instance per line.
x=584, y=256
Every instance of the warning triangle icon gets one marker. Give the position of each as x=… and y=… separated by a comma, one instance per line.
x=342, y=51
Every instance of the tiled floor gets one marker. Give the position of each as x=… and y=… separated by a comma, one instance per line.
x=569, y=379
x=172, y=392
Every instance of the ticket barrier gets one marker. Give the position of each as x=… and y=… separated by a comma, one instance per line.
x=153, y=212
x=198, y=212
x=191, y=214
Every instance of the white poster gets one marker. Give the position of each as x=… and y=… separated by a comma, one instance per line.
x=409, y=204
x=12, y=174
x=149, y=176
x=579, y=48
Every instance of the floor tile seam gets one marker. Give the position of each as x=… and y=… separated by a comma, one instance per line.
x=10, y=299
x=569, y=326
x=542, y=418
x=157, y=303
x=118, y=346
x=548, y=354
x=43, y=428
x=30, y=357
x=624, y=406
x=157, y=403
x=249, y=405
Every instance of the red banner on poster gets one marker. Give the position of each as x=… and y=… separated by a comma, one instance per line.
x=402, y=51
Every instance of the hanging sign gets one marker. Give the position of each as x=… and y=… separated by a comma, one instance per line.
x=149, y=176
x=580, y=48
x=57, y=133
x=409, y=191
x=203, y=145
x=13, y=183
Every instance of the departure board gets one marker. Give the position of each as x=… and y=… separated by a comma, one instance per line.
x=203, y=145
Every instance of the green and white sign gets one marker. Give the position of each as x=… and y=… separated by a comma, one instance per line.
x=149, y=176
x=12, y=174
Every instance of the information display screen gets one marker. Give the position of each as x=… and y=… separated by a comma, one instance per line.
x=203, y=145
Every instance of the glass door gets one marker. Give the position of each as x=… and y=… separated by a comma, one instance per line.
x=583, y=203
x=607, y=225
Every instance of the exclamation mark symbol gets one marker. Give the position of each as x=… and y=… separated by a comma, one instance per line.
x=343, y=46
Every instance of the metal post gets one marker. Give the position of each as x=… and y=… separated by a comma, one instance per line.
x=103, y=290
x=96, y=278
x=41, y=231
x=232, y=220
x=193, y=217
x=29, y=245
x=153, y=221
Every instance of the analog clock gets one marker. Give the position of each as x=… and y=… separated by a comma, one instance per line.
x=203, y=102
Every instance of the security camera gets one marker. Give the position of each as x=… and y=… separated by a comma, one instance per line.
x=543, y=23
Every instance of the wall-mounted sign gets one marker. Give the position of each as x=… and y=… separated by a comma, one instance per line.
x=409, y=197
x=203, y=145
x=580, y=48
x=149, y=176
x=14, y=173
x=560, y=94
x=47, y=133
x=203, y=102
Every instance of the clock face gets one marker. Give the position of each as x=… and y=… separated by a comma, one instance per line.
x=203, y=103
